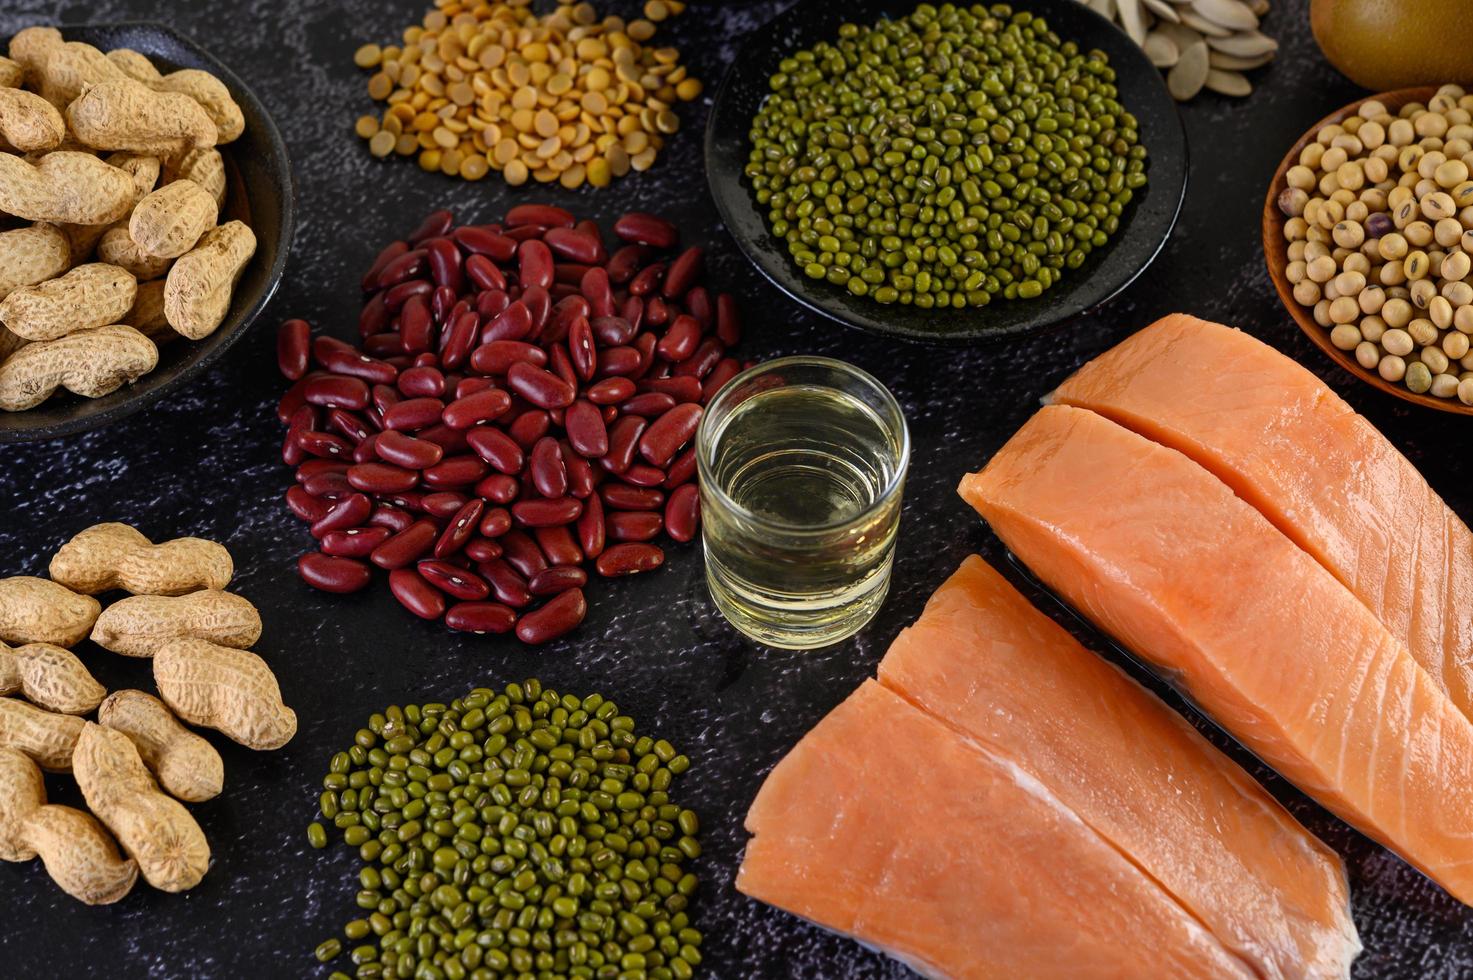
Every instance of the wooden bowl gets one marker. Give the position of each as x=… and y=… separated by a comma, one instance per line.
x=1276, y=253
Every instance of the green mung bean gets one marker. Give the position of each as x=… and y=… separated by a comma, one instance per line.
x=944, y=159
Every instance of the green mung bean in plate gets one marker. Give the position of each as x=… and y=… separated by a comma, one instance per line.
x=947, y=158
x=514, y=833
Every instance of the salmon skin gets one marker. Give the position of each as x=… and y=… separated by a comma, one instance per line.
x=885, y=825
x=1164, y=556
x=1318, y=471
x=982, y=659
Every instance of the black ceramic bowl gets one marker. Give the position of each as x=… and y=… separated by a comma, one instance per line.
x=1143, y=231
x=259, y=192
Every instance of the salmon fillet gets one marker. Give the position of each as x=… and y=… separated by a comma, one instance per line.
x=1163, y=555
x=984, y=660
x=885, y=825
x=1318, y=471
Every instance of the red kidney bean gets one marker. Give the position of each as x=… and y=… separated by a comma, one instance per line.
x=483, y=273
x=612, y=331
x=539, y=303
x=463, y=524
x=407, y=499
x=391, y=517
x=481, y=617
x=728, y=320
x=610, y=391
x=697, y=301
x=482, y=241
x=681, y=339
x=545, y=466
x=381, y=478
x=645, y=345
x=396, y=296
x=640, y=475
x=374, y=316
x=481, y=549
x=581, y=477
x=293, y=342
x=406, y=546
x=562, y=315
x=409, y=265
x=725, y=369
x=522, y=552
x=356, y=542
x=367, y=450
x=547, y=512
x=539, y=214
x=499, y=356
x=703, y=360
x=684, y=272
x=499, y=488
x=444, y=261
x=350, y=511
x=623, y=441
x=683, y=513
x=306, y=506
x=621, y=496
x=416, y=325
x=649, y=405
x=644, y=284
x=435, y=224
x=383, y=345
x=479, y=406
x=350, y=426
x=323, y=444
x=495, y=522
x=573, y=245
x=509, y=586
x=581, y=349
x=528, y=427
x=328, y=486
x=656, y=312
x=633, y=311
x=312, y=467
x=647, y=229
x=595, y=288
x=496, y=448
x=683, y=388
x=383, y=397
x=390, y=252
x=542, y=388
x=668, y=433
x=304, y=419
x=534, y=264
x=333, y=574
x=591, y=529
x=416, y=594
x=422, y=382
x=455, y=471
x=558, y=617
x=559, y=578
x=512, y=323
x=681, y=470
x=333, y=391
x=619, y=362
x=558, y=545
x=458, y=341
x=443, y=504
x=586, y=430
x=492, y=303
x=442, y=301
x=413, y=413
x=453, y=581
x=629, y=559
x=562, y=365
x=633, y=525
x=626, y=262
x=465, y=387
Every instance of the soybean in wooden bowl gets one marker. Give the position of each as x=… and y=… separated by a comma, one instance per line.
x=1144, y=226
x=1276, y=254
x=259, y=191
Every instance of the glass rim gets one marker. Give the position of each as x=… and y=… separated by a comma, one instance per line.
x=704, y=442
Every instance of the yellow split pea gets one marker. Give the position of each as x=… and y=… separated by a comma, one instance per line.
x=565, y=97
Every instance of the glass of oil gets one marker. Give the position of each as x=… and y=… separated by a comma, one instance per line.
x=802, y=463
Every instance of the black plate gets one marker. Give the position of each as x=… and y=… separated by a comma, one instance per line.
x=1143, y=232
x=259, y=192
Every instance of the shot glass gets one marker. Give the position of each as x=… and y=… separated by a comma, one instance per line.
x=802, y=463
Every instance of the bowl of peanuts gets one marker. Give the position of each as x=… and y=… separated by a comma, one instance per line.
x=1368, y=236
x=145, y=217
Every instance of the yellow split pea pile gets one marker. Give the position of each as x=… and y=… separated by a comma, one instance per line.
x=561, y=97
x=1380, y=231
x=119, y=253
x=137, y=761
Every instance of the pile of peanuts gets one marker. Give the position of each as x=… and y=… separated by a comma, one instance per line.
x=560, y=97
x=137, y=763
x=120, y=253
x=521, y=403
x=1380, y=232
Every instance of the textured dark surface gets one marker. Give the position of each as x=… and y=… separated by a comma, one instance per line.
x=204, y=461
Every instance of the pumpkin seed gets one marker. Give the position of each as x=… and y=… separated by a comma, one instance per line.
x=1230, y=62
x=1161, y=49
x=1163, y=10
x=1228, y=82
x=1202, y=25
x=1231, y=14
x=1189, y=74
x=1132, y=21
x=1245, y=44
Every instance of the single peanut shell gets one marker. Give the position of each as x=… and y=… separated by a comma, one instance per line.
x=64, y=186
x=139, y=625
x=117, y=247
x=22, y=793
x=91, y=295
x=28, y=122
x=134, y=64
x=124, y=114
x=79, y=854
x=31, y=46
x=70, y=68
x=31, y=255
x=153, y=828
x=47, y=737
x=147, y=315
x=90, y=363
x=186, y=765
x=203, y=166
x=117, y=556
x=169, y=221
x=50, y=677
x=33, y=610
x=231, y=691
x=211, y=94
x=199, y=286
x=12, y=73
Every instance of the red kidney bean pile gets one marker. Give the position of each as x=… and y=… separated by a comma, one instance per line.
x=520, y=408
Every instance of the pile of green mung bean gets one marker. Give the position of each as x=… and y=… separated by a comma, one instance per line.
x=945, y=158
x=521, y=833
